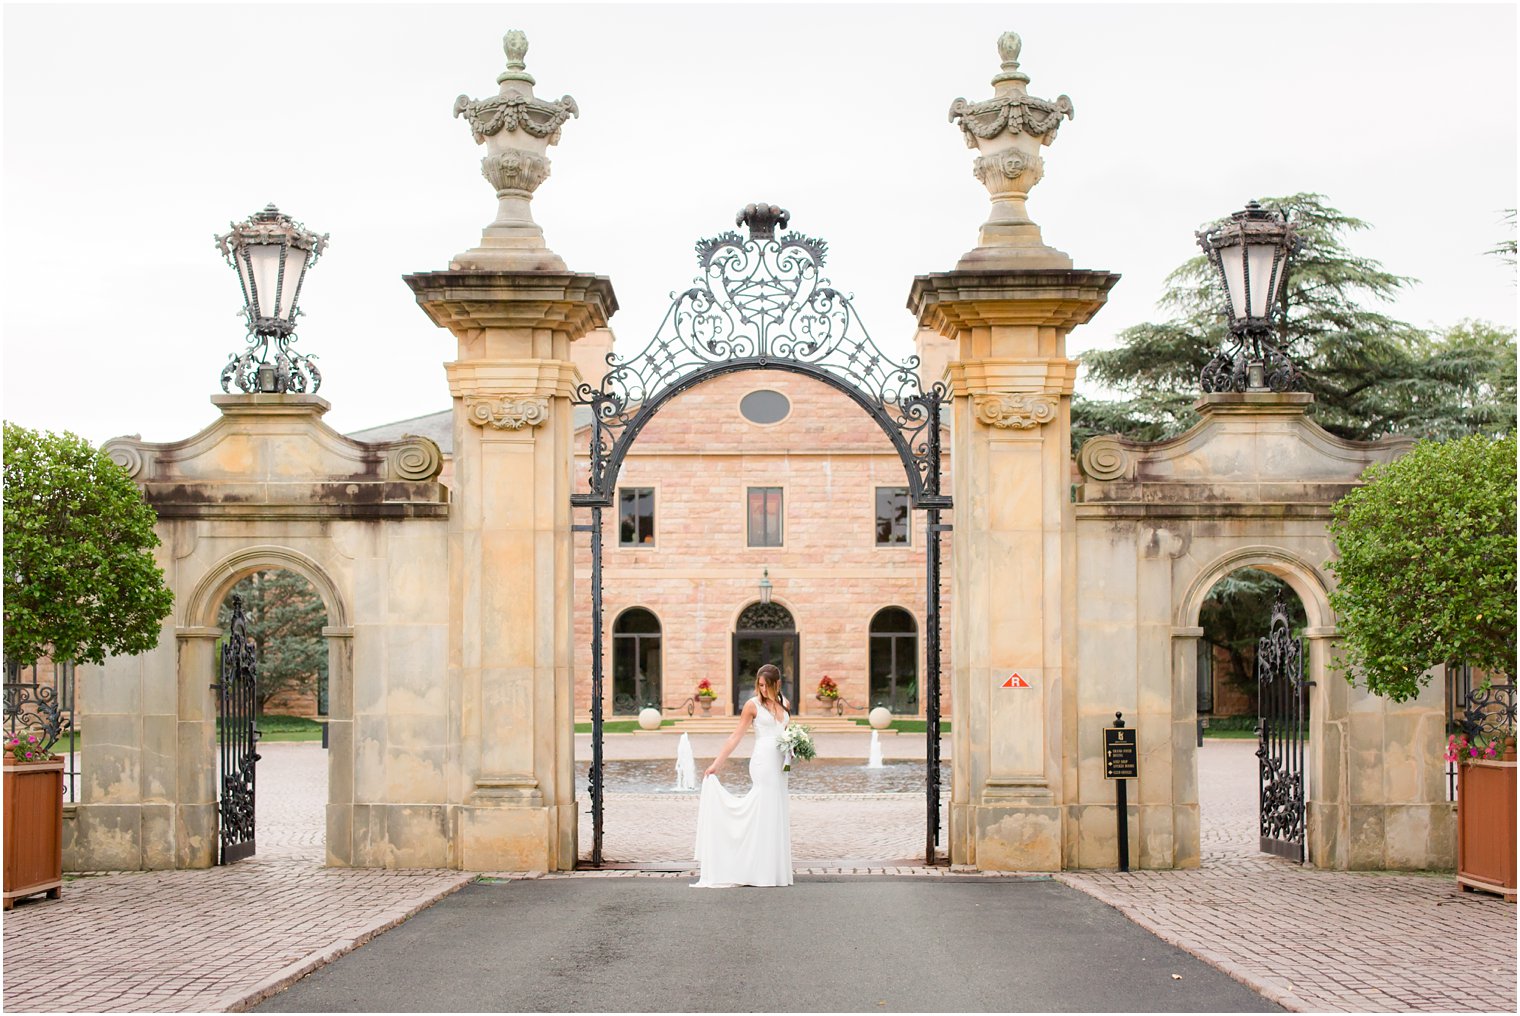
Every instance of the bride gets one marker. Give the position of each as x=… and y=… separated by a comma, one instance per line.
x=748, y=840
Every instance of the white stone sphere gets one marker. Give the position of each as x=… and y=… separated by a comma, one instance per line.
x=881, y=717
x=649, y=718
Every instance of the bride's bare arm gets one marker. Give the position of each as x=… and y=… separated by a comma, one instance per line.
x=746, y=717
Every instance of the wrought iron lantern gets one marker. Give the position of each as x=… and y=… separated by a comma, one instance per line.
x=272, y=253
x=765, y=587
x=1250, y=252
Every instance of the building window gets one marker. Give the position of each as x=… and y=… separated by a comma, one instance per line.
x=635, y=516
x=635, y=662
x=765, y=516
x=891, y=516
x=765, y=406
x=894, y=661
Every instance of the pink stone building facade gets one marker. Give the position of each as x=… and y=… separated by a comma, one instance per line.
x=710, y=505
x=682, y=577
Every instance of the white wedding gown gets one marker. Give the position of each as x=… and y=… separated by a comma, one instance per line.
x=748, y=840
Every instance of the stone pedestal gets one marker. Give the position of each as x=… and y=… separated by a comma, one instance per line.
x=511, y=573
x=1013, y=550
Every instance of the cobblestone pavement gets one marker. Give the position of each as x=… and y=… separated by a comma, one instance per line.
x=1322, y=941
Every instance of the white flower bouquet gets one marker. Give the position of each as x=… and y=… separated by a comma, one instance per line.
x=795, y=742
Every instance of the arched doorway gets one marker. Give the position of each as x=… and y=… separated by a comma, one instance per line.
x=636, y=662
x=894, y=661
x=765, y=633
x=762, y=303
x=1253, y=712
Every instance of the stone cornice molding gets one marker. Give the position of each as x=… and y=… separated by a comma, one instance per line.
x=512, y=379
x=1001, y=376
x=568, y=302
x=953, y=302
x=263, y=431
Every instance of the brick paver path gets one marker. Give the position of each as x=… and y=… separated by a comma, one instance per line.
x=1316, y=940
x=208, y=940
x=199, y=941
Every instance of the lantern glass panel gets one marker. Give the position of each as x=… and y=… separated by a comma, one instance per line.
x=295, y=267
x=1263, y=285
x=266, y=273
x=1232, y=264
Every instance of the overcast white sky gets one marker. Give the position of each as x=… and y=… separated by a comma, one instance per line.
x=133, y=133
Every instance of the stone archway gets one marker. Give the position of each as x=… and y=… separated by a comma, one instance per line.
x=1157, y=526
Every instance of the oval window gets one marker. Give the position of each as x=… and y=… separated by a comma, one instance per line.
x=765, y=406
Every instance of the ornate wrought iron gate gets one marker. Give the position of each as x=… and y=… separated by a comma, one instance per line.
x=762, y=304
x=1281, y=730
x=237, y=737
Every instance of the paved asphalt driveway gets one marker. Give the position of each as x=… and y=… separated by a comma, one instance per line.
x=848, y=944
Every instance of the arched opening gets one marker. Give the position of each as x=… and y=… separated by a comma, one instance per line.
x=284, y=623
x=765, y=633
x=894, y=661
x=636, y=662
x=1253, y=715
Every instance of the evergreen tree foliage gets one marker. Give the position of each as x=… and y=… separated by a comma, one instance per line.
x=1370, y=373
x=1426, y=564
x=285, y=619
x=1237, y=613
x=80, y=580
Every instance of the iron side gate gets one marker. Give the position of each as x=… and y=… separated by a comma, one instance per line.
x=236, y=739
x=1282, y=709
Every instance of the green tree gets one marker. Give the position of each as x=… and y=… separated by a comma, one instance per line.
x=80, y=580
x=1237, y=612
x=285, y=619
x=1426, y=564
x=1370, y=373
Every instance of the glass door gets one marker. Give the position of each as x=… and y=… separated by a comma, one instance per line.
x=754, y=649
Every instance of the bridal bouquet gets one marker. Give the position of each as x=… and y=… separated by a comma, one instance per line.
x=796, y=741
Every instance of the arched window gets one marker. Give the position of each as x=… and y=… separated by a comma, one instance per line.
x=635, y=662
x=894, y=661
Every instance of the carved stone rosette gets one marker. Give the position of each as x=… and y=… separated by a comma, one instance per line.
x=1104, y=458
x=1015, y=410
x=507, y=412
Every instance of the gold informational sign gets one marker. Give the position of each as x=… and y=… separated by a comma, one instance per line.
x=1121, y=756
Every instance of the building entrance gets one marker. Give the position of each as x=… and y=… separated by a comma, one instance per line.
x=765, y=634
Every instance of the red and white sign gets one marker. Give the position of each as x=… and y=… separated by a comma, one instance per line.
x=1015, y=681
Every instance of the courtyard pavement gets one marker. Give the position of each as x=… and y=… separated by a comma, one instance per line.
x=226, y=937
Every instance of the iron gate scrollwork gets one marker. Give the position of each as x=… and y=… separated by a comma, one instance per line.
x=762, y=303
x=43, y=707
x=1282, y=709
x=237, y=738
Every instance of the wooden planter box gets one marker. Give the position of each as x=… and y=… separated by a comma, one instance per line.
x=33, y=829
x=1486, y=826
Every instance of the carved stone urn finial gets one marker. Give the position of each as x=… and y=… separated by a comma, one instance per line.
x=515, y=43
x=517, y=130
x=1008, y=132
x=1009, y=44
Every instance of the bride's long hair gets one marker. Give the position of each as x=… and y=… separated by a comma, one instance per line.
x=768, y=678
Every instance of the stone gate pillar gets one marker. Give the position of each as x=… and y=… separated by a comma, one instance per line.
x=1007, y=307
x=514, y=309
